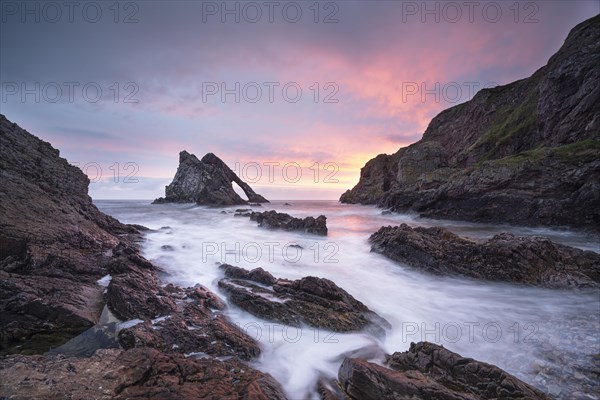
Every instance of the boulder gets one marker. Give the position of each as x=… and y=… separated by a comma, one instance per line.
x=312, y=301
x=429, y=371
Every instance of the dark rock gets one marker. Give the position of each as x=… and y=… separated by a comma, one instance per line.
x=286, y=204
x=329, y=390
x=257, y=275
x=429, y=371
x=56, y=250
x=138, y=373
x=313, y=301
x=275, y=220
x=526, y=153
x=508, y=258
x=195, y=326
x=54, y=245
x=208, y=182
x=243, y=212
x=167, y=247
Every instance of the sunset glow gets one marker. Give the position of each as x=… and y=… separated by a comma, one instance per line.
x=370, y=83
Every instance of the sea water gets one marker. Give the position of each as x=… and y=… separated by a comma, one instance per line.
x=548, y=338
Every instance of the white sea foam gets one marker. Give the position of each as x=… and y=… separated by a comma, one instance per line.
x=498, y=323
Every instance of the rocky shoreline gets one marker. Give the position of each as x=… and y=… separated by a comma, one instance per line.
x=504, y=258
x=84, y=315
x=73, y=282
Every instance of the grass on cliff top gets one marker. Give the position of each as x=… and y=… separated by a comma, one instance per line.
x=583, y=151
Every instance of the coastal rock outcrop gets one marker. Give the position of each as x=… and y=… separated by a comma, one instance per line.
x=54, y=245
x=206, y=182
x=140, y=373
x=316, y=302
x=274, y=220
x=64, y=264
x=196, y=327
x=429, y=371
x=505, y=257
x=526, y=153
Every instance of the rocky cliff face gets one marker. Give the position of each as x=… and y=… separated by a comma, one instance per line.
x=62, y=262
x=524, y=153
x=53, y=244
x=208, y=182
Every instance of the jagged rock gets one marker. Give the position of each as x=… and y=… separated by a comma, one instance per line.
x=526, y=153
x=53, y=245
x=194, y=328
x=508, y=258
x=208, y=182
x=317, y=302
x=274, y=220
x=62, y=260
x=139, y=373
x=429, y=371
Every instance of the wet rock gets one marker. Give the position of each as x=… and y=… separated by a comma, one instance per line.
x=312, y=301
x=193, y=328
x=257, y=275
x=429, y=371
x=275, y=220
x=525, y=153
x=167, y=247
x=136, y=293
x=207, y=181
x=505, y=257
x=133, y=374
x=243, y=212
x=329, y=390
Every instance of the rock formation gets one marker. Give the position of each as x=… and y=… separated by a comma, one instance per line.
x=523, y=153
x=206, y=182
x=429, y=371
x=62, y=261
x=275, y=220
x=53, y=245
x=141, y=373
x=507, y=258
x=316, y=302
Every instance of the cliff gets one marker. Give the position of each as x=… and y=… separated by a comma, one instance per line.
x=523, y=153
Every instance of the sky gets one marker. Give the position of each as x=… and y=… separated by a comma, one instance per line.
x=294, y=96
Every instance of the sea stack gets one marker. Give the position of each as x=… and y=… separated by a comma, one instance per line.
x=206, y=182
